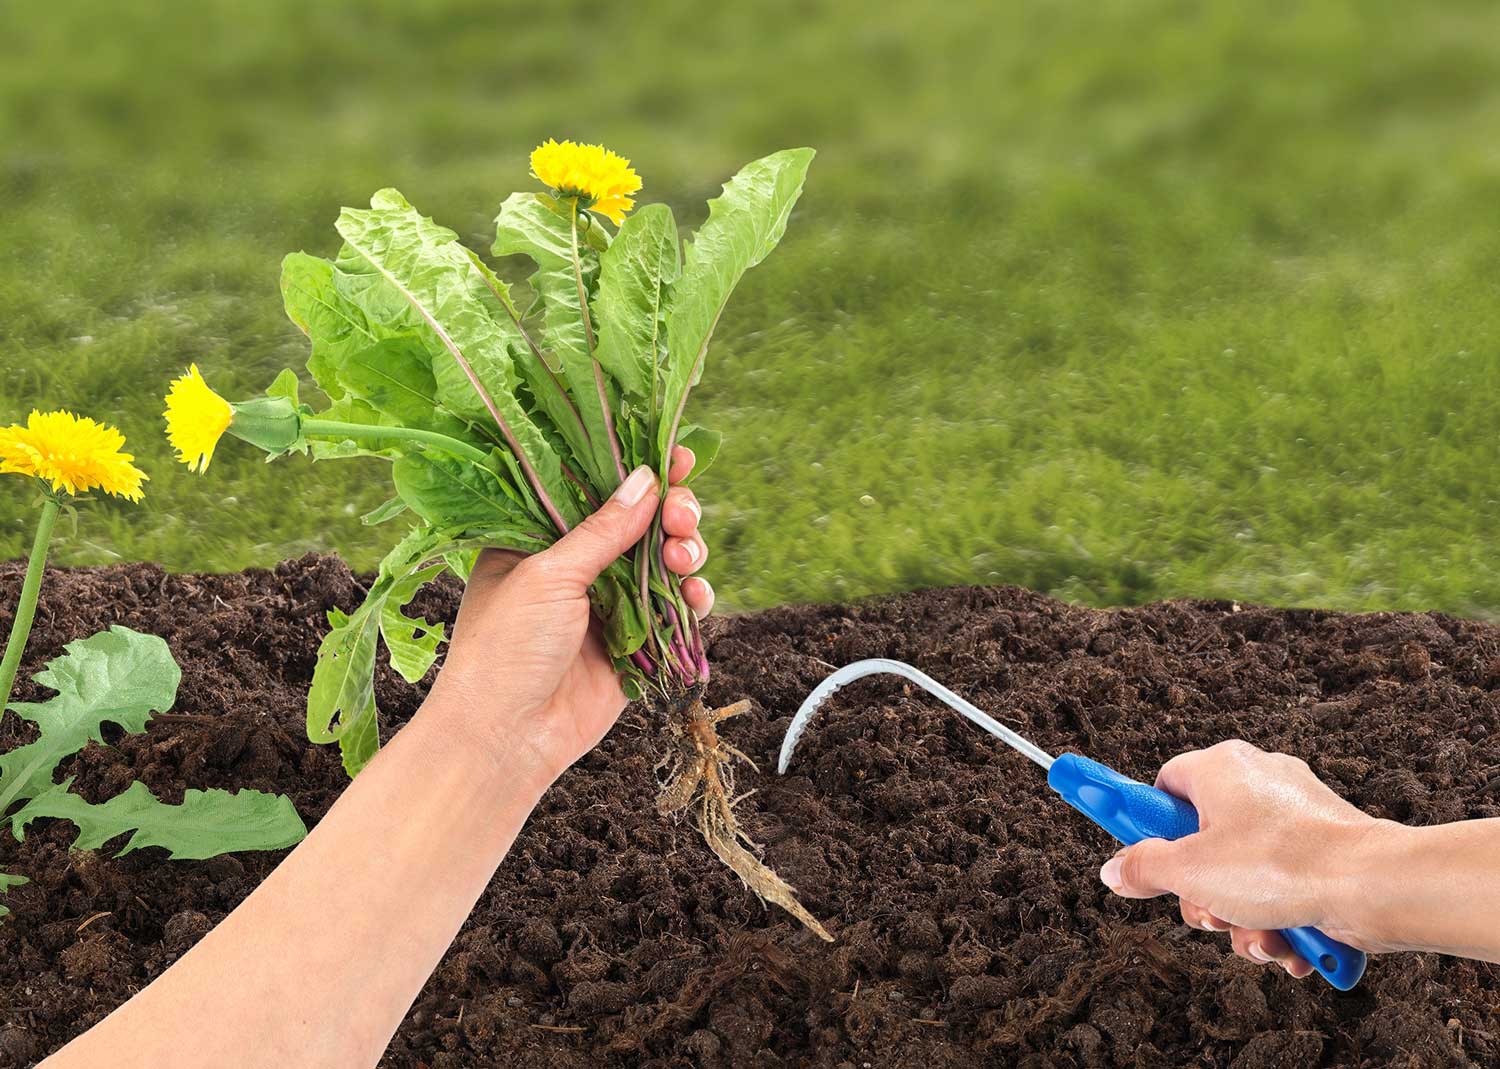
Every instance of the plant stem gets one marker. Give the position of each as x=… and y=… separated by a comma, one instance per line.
x=333, y=429
x=583, y=299
x=583, y=487
x=588, y=336
x=645, y=554
x=20, y=627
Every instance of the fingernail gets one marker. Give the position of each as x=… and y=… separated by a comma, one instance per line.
x=1208, y=926
x=1259, y=954
x=692, y=550
x=1212, y=926
x=1110, y=873
x=630, y=492
x=692, y=503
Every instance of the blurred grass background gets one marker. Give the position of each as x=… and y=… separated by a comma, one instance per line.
x=1114, y=300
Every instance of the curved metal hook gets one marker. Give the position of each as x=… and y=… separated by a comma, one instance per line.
x=881, y=665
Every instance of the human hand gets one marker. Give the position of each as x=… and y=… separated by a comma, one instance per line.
x=1276, y=849
x=526, y=671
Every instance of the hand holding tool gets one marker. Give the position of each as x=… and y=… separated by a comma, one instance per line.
x=1126, y=808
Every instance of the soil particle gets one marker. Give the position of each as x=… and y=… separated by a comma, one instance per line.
x=17, y=1046
x=183, y=930
x=1280, y=1050
x=97, y=957
x=971, y=927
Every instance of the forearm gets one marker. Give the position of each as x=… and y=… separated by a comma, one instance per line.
x=320, y=964
x=1430, y=888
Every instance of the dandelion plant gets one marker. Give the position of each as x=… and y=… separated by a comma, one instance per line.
x=120, y=677
x=117, y=677
x=66, y=455
x=507, y=420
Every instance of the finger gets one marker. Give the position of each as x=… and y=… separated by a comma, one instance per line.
x=681, y=467
x=1195, y=916
x=1265, y=948
x=1272, y=945
x=1269, y=948
x=1149, y=868
x=1296, y=966
x=1185, y=774
x=699, y=596
x=585, y=551
x=684, y=555
x=680, y=512
x=1180, y=775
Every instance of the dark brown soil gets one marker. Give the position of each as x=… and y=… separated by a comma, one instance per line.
x=972, y=929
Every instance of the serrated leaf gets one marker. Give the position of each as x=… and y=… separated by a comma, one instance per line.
x=558, y=415
x=537, y=226
x=206, y=824
x=412, y=642
x=361, y=742
x=395, y=378
x=453, y=493
x=705, y=446
x=285, y=384
x=743, y=226
x=343, y=683
x=634, y=273
x=335, y=326
x=383, y=513
x=118, y=676
x=406, y=256
x=461, y=563
x=7, y=881
x=341, y=701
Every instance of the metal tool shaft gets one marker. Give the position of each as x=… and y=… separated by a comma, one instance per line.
x=880, y=665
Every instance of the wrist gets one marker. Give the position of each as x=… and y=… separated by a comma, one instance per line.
x=1369, y=898
x=469, y=734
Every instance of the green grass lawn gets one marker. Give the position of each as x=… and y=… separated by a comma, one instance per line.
x=1114, y=300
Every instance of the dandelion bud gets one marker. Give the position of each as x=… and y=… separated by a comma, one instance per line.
x=269, y=423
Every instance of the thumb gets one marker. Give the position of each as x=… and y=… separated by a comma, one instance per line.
x=585, y=551
x=1149, y=868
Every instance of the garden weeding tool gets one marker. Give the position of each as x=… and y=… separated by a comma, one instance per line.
x=1126, y=808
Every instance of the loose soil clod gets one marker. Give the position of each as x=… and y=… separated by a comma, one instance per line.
x=962, y=891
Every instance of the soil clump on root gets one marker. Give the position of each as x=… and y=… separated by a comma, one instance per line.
x=970, y=926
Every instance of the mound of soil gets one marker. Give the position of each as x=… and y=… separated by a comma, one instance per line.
x=972, y=929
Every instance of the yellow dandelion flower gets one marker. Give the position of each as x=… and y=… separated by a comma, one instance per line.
x=70, y=453
x=601, y=180
x=196, y=419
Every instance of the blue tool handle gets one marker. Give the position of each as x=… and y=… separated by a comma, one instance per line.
x=1131, y=811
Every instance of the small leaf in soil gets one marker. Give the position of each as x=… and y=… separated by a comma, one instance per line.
x=7, y=881
x=122, y=677
x=206, y=824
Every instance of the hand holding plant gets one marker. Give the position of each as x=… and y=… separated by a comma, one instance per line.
x=527, y=668
x=507, y=423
